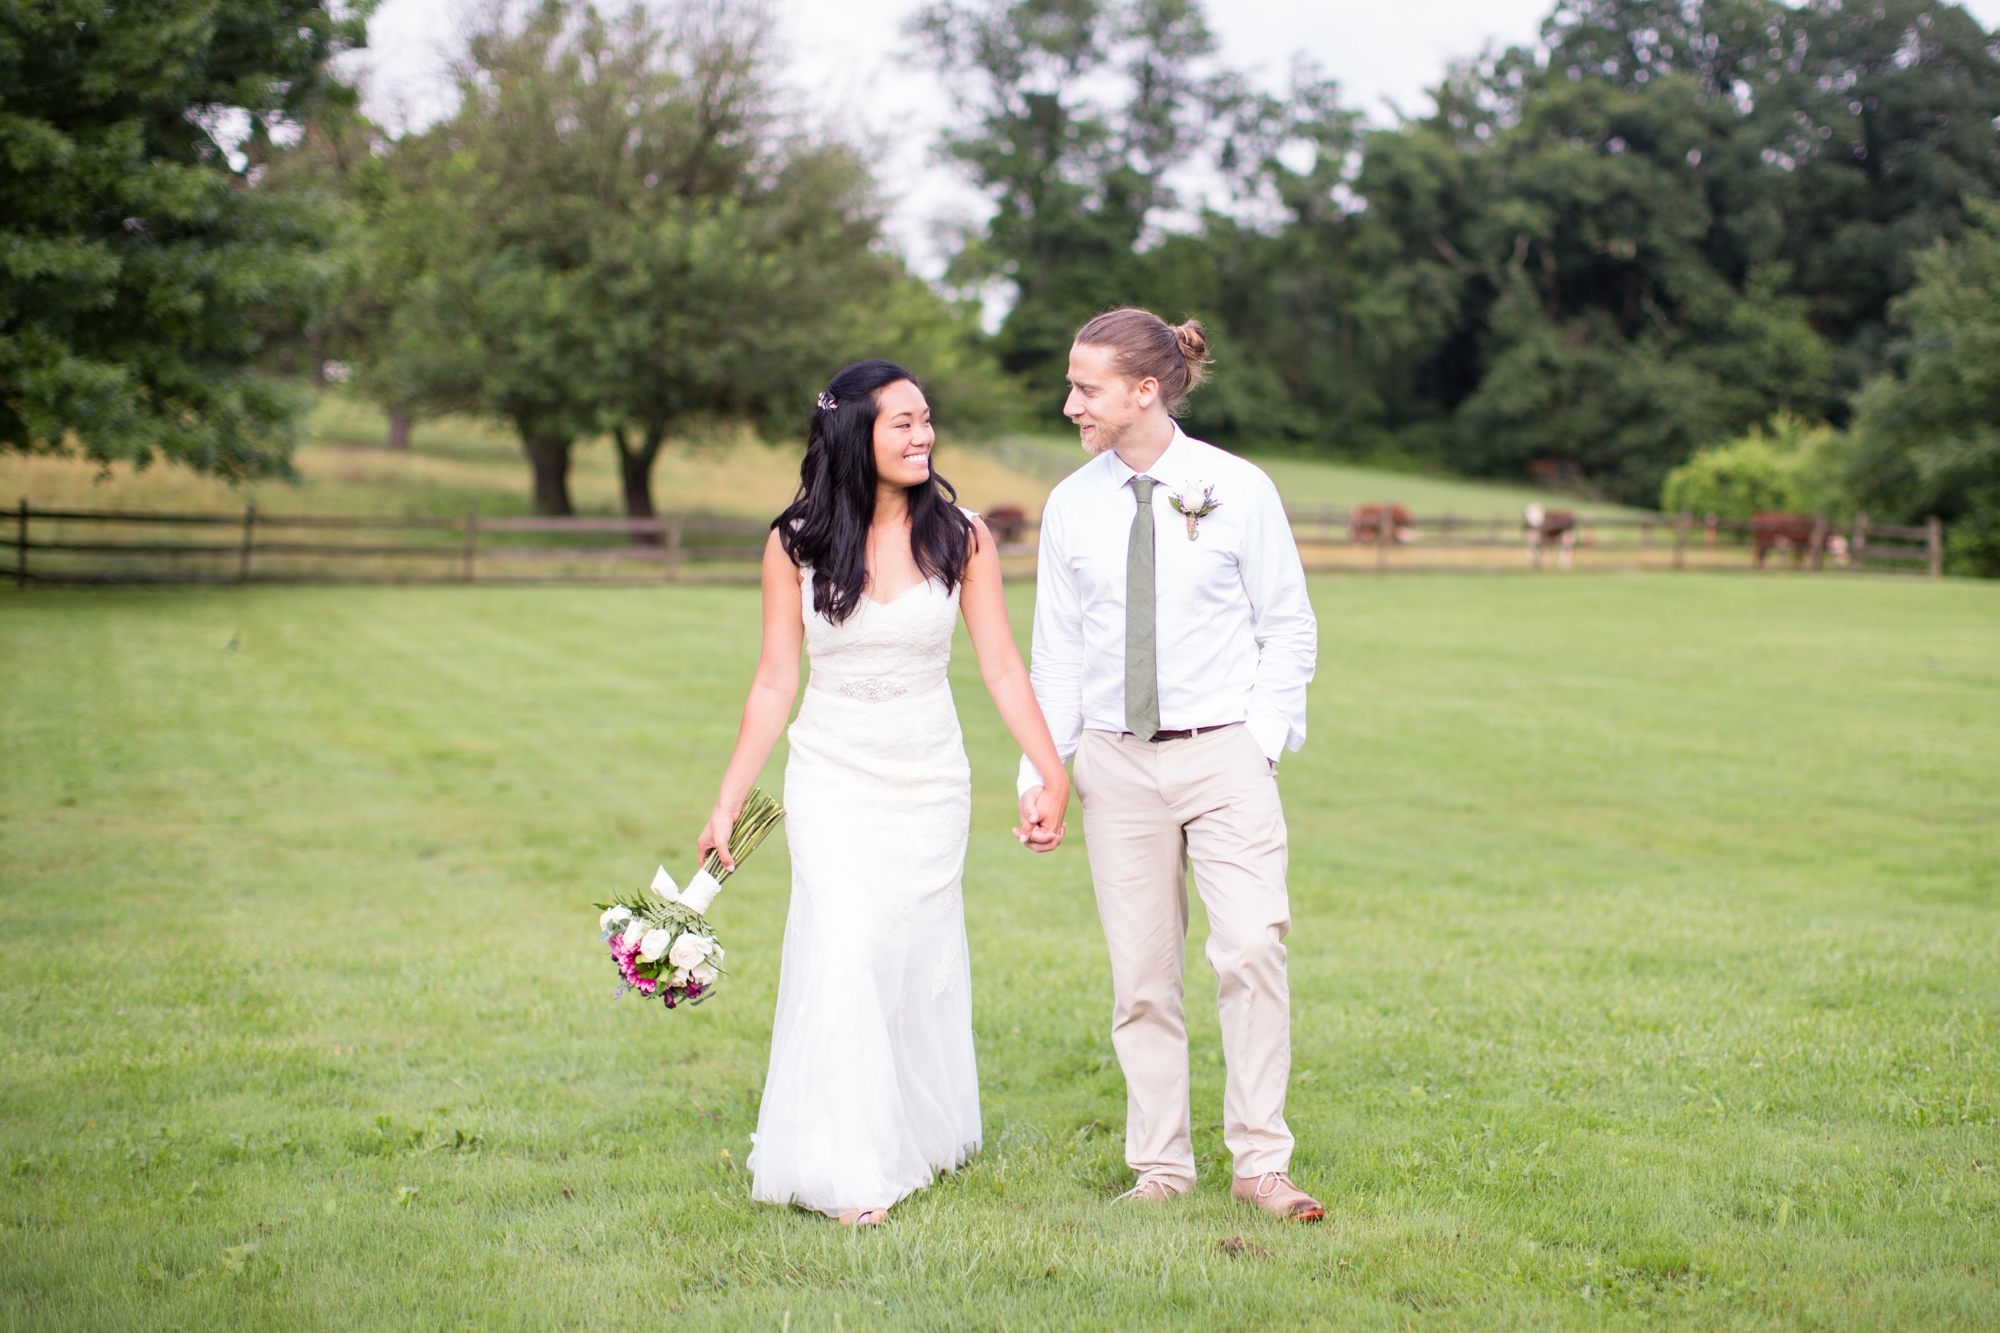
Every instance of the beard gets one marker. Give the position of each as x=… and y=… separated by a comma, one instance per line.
x=1107, y=438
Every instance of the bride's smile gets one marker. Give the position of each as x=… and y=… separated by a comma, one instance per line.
x=903, y=436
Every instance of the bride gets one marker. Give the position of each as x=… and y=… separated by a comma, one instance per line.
x=872, y=1084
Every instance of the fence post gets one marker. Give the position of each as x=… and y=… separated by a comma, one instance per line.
x=249, y=532
x=21, y=547
x=1817, y=545
x=674, y=522
x=1934, y=544
x=466, y=574
x=1708, y=526
x=1860, y=542
x=1681, y=538
x=1382, y=522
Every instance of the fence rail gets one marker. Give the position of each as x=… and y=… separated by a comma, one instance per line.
x=122, y=545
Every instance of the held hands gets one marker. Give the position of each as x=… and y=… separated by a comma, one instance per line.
x=1042, y=812
x=715, y=838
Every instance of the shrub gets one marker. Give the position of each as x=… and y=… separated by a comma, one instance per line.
x=1791, y=466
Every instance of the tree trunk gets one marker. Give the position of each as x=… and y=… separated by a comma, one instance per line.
x=399, y=431
x=549, y=456
x=635, y=466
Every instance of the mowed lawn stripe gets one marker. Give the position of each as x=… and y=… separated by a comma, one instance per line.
x=1645, y=962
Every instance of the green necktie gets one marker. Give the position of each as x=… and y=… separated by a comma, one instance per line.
x=1142, y=673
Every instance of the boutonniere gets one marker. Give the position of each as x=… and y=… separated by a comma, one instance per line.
x=1195, y=513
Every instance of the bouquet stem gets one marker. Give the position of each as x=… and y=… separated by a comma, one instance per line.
x=759, y=816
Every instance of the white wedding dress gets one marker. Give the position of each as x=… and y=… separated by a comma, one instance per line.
x=873, y=1084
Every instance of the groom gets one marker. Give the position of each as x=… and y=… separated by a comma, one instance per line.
x=1173, y=646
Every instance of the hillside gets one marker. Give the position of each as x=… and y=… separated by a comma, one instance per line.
x=457, y=463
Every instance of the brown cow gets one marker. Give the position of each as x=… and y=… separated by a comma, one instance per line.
x=1801, y=535
x=1006, y=523
x=1784, y=532
x=1364, y=523
x=1545, y=527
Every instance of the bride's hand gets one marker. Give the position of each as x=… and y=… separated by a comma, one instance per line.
x=1042, y=811
x=715, y=838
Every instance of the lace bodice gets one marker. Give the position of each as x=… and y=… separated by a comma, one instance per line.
x=891, y=641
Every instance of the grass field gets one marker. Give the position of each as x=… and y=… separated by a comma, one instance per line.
x=1646, y=973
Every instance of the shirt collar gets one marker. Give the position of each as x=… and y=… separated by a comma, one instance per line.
x=1166, y=469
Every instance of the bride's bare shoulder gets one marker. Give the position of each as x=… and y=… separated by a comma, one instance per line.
x=777, y=560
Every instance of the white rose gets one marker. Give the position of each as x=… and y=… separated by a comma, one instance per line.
x=655, y=943
x=690, y=949
x=634, y=932
x=678, y=977
x=613, y=916
x=705, y=974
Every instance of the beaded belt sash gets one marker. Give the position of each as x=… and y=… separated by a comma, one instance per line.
x=877, y=689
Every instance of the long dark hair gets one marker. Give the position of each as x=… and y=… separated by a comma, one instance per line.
x=826, y=525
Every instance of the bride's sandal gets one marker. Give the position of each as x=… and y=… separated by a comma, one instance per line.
x=864, y=1217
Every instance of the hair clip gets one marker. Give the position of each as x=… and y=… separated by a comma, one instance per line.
x=826, y=403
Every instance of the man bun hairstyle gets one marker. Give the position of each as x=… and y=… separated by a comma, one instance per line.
x=1144, y=344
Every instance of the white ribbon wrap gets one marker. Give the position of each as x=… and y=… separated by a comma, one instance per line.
x=700, y=892
x=663, y=884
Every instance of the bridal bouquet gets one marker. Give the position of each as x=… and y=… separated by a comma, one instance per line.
x=661, y=942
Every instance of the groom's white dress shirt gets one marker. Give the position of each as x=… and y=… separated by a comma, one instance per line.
x=1236, y=636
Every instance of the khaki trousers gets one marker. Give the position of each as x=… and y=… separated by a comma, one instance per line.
x=1150, y=810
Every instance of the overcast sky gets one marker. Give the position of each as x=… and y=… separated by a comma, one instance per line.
x=850, y=62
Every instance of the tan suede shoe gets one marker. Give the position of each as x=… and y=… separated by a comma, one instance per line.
x=1275, y=1193
x=1152, y=1189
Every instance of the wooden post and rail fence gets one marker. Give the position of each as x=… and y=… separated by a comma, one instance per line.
x=56, y=545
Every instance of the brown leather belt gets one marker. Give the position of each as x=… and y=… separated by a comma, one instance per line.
x=1191, y=731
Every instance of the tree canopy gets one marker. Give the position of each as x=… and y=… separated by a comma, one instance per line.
x=1657, y=226
x=1928, y=438
x=143, y=273
x=619, y=232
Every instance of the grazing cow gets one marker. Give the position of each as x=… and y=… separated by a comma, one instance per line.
x=1799, y=534
x=1546, y=527
x=1006, y=523
x=1364, y=524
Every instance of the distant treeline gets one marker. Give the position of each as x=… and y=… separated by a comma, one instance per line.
x=1665, y=224
x=1743, y=240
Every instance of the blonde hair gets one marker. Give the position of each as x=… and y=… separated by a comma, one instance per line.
x=1144, y=344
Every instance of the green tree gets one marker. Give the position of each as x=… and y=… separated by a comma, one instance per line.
x=1077, y=111
x=1712, y=203
x=342, y=160
x=619, y=232
x=494, y=211
x=1840, y=139
x=1928, y=433
x=143, y=268
x=745, y=262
